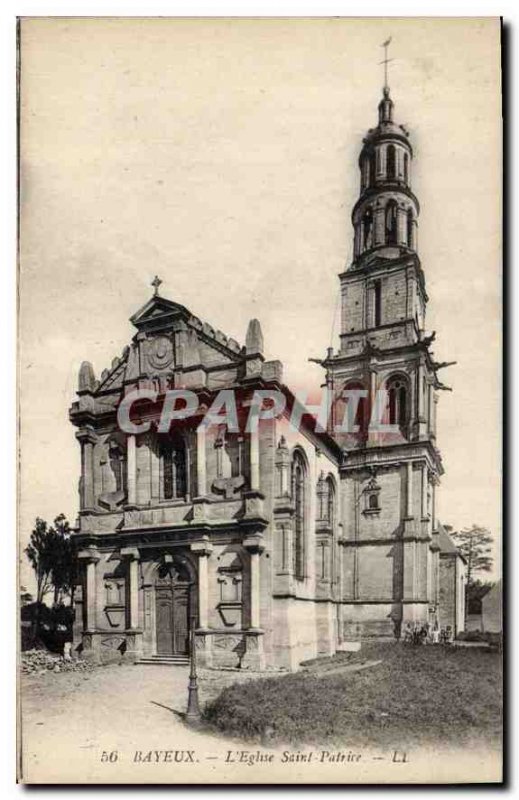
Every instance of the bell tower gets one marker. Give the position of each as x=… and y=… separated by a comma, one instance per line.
x=391, y=465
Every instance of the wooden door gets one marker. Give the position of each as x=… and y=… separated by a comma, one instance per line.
x=172, y=614
x=164, y=609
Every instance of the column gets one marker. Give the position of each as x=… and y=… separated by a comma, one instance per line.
x=373, y=436
x=421, y=402
x=132, y=554
x=401, y=222
x=203, y=549
x=131, y=466
x=372, y=388
x=424, y=491
x=201, y=474
x=409, y=497
x=379, y=227
x=356, y=241
x=254, y=460
x=283, y=468
x=434, y=414
x=255, y=547
x=88, y=439
x=90, y=557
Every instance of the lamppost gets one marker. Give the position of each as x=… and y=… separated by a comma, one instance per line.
x=193, y=709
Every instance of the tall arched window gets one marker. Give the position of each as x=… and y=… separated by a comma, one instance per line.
x=391, y=222
x=377, y=288
x=362, y=413
x=390, y=162
x=410, y=223
x=406, y=167
x=367, y=229
x=299, y=502
x=397, y=391
x=173, y=469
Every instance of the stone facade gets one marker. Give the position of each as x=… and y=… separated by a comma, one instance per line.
x=199, y=524
x=280, y=544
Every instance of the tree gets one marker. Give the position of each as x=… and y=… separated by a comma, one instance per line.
x=39, y=552
x=475, y=545
x=475, y=593
x=63, y=571
x=50, y=552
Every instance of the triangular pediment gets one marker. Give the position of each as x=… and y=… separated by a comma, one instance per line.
x=158, y=309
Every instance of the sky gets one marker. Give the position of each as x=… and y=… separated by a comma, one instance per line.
x=222, y=156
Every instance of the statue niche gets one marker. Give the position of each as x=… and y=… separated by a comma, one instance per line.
x=230, y=578
x=113, y=470
x=229, y=465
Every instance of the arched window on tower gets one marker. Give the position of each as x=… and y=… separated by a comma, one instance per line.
x=397, y=390
x=390, y=162
x=299, y=502
x=173, y=468
x=362, y=411
x=391, y=222
x=372, y=168
x=367, y=229
x=410, y=223
x=406, y=167
x=378, y=303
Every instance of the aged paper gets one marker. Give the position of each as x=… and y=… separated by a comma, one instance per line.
x=260, y=393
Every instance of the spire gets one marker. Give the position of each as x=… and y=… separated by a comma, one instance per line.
x=87, y=378
x=386, y=212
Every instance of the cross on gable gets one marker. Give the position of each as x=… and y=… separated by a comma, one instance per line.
x=156, y=283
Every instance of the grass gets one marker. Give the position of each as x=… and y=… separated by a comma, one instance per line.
x=418, y=695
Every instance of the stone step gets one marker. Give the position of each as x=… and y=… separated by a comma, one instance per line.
x=171, y=660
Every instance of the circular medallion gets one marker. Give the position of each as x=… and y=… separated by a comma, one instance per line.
x=160, y=353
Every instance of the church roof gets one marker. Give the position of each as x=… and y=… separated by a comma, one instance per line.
x=447, y=546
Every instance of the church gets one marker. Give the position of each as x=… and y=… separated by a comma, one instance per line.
x=283, y=543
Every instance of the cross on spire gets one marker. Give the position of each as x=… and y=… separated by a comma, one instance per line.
x=386, y=61
x=156, y=283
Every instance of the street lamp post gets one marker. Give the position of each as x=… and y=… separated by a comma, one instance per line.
x=193, y=708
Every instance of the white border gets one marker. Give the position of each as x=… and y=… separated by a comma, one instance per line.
x=8, y=13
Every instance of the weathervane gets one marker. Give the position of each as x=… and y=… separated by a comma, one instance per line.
x=386, y=61
x=156, y=283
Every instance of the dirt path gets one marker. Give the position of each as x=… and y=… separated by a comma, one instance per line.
x=70, y=719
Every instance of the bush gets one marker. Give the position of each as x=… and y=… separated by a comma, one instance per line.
x=47, y=627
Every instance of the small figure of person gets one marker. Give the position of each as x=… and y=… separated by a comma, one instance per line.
x=435, y=635
x=449, y=635
x=417, y=634
x=408, y=633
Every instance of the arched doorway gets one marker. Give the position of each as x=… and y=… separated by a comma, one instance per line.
x=172, y=609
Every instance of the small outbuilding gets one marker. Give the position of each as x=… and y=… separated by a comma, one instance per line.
x=453, y=582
